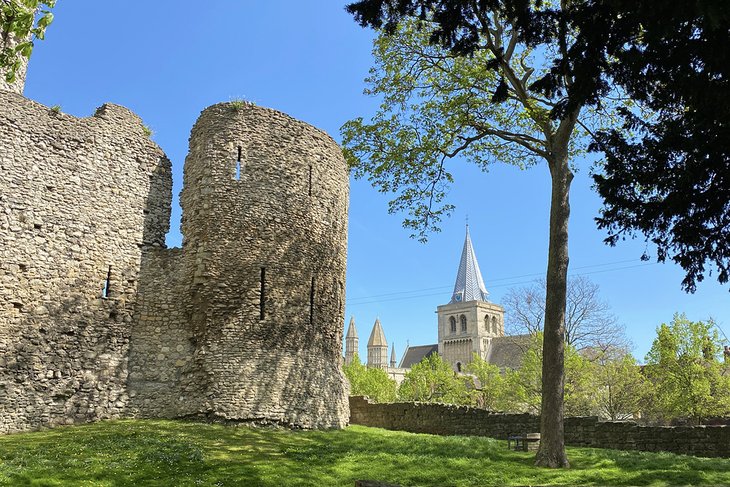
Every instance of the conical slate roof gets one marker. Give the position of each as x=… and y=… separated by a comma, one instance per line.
x=469, y=283
x=377, y=337
x=351, y=330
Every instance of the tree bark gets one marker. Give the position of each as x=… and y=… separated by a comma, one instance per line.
x=552, y=442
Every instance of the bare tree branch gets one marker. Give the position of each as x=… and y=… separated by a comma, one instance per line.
x=589, y=323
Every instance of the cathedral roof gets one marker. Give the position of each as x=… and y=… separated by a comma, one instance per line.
x=351, y=330
x=469, y=284
x=392, y=354
x=508, y=351
x=377, y=337
x=414, y=355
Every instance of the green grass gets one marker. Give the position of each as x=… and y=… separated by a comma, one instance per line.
x=176, y=453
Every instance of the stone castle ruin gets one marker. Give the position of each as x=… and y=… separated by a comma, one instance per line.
x=98, y=319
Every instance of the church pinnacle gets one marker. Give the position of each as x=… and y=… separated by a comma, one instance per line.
x=377, y=347
x=469, y=284
x=351, y=342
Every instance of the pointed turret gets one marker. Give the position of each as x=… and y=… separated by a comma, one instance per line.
x=377, y=337
x=351, y=330
x=393, y=360
x=377, y=347
x=351, y=342
x=469, y=284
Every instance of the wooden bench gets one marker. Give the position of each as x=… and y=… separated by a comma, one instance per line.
x=524, y=442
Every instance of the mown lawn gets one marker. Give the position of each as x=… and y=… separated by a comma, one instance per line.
x=176, y=453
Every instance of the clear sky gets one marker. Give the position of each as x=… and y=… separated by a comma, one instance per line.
x=167, y=61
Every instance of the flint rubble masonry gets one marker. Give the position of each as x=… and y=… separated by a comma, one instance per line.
x=443, y=419
x=99, y=320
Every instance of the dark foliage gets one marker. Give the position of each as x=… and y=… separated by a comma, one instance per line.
x=671, y=181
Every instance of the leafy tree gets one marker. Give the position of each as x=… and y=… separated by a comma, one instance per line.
x=665, y=175
x=525, y=384
x=580, y=393
x=433, y=380
x=621, y=390
x=493, y=393
x=588, y=319
x=20, y=26
x=485, y=80
x=371, y=382
x=684, y=367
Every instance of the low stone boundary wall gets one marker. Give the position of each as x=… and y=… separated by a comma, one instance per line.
x=442, y=419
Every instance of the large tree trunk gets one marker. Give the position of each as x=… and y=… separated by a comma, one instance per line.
x=552, y=442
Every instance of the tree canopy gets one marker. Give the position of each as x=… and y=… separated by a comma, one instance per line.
x=685, y=368
x=667, y=176
x=433, y=380
x=371, y=382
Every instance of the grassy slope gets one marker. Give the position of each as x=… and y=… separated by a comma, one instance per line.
x=173, y=453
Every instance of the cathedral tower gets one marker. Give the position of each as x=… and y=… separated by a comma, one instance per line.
x=469, y=322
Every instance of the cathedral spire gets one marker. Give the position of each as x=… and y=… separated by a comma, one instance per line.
x=377, y=347
x=469, y=284
x=351, y=342
x=377, y=336
x=351, y=330
x=393, y=360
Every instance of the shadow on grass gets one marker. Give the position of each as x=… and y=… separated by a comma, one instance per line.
x=126, y=453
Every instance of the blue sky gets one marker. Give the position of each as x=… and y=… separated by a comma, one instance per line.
x=167, y=61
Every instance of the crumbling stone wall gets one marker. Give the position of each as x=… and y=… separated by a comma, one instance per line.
x=265, y=233
x=99, y=320
x=80, y=199
x=442, y=419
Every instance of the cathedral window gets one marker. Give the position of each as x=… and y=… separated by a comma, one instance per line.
x=486, y=323
x=452, y=322
x=463, y=323
x=494, y=325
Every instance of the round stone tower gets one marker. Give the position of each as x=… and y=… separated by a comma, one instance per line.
x=264, y=244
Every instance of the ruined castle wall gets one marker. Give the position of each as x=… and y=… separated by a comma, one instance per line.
x=99, y=320
x=164, y=379
x=265, y=231
x=80, y=201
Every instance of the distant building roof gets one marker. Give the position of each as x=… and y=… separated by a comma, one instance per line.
x=351, y=330
x=414, y=355
x=469, y=284
x=377, y=337
x=507, y=351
